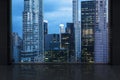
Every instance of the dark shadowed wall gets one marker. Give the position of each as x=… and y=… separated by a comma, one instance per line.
x=3, y=32
x=115, y=31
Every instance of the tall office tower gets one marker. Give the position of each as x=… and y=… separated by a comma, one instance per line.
x=101, y=33
x=45, y=31
x=70, y=30
x=88, y=11
x=33, y=31
x=77, y=31
x=45, y=27
x=65, y=44
x=62, y=30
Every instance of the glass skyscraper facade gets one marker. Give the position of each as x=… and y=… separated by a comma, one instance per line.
x=88, y=11
x=33, y=32
x=94, y=32
x=71, y=31
x=101, y=33
x=45, y=27
x=77, y=31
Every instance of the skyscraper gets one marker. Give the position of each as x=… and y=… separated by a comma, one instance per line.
x=65, y=44
x=70, y=30
x=99, y=38
x=62, y=30
x=101, y=33
x=88, y=11
x=33, y=31
x=45, y=27
x=77, y=31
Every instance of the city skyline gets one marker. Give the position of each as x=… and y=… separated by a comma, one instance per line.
x=50, y=10
x=87, y=19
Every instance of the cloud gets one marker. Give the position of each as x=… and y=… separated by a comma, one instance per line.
x=62, y=15
x=57, y=2
x=52, y=5
x=57, y=12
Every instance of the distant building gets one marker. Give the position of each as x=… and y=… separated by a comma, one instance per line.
x=62, y=29
x=52, y=42
x=101, y=33
x=88, y=11
x=16, y=47
x=77, y=28
x=55, y=55
x=53, y=52
x=65, y=44
x=70, y=28
x=45, y=27
x=71, y=31
x=33, y=32
x=45, y=30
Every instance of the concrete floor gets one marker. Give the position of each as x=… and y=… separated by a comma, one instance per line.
x=60, y=72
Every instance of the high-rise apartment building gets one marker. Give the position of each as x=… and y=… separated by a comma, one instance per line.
x=88, y=11
x=77, y=31
x=33, y=31
x=101, y=33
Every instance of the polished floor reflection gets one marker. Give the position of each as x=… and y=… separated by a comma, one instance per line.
x=60, y=72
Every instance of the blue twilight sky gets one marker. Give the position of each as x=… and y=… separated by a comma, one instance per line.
x=55, y=12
